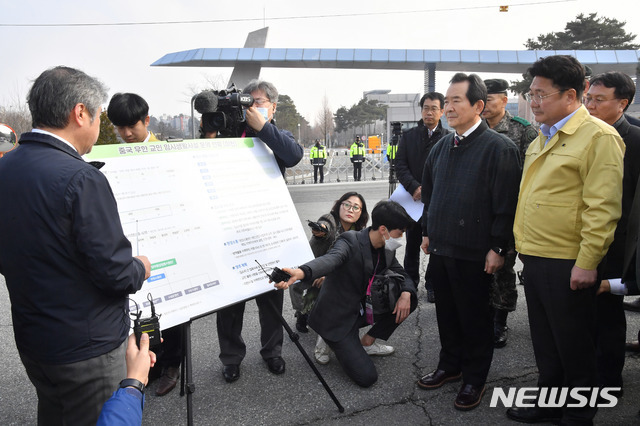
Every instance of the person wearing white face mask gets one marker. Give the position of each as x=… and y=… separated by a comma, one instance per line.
x=229, y=321
x=349, y=213
x=349, y=267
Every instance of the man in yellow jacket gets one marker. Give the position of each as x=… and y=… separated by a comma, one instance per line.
x=568, y=207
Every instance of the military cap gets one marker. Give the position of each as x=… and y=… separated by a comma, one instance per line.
x=496, y=85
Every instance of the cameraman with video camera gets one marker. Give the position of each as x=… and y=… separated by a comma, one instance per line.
x=222, y=115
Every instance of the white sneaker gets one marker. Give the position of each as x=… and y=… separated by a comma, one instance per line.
x=379, y=349
x=322, y=351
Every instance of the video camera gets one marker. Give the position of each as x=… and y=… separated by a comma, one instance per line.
x=222, y=111
x=396, y=132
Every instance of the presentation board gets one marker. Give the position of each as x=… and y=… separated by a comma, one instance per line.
x=203, y=211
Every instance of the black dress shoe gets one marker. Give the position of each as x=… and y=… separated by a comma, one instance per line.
x=500, y=333
x=276, y=365
x=231, y=372
x=632, y=346
x=301, y=323
x=437, y=378
x=534, y=414
x=632, y=306
x=469, y=397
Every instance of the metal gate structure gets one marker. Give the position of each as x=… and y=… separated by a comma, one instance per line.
x=339, y=168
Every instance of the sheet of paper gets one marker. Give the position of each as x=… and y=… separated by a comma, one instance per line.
x=203, y=211
x=402, y=197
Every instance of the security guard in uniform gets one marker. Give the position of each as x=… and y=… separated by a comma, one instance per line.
x=519, y=130
x=357, y=153
x=391, y=151
x=503, y=292
x=318, y=158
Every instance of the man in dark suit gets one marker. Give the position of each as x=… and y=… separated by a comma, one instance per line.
x=608, y=98
x=469, y=191
x=628, y=285
x=413, y=150
x=349, y=266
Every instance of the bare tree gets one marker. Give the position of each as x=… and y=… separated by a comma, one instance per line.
x=18, y=119
x=15, y=113
x=324, y=121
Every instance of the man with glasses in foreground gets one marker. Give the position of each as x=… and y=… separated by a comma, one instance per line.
x=567, y=212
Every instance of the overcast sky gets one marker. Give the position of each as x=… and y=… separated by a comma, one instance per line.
x=121, y=55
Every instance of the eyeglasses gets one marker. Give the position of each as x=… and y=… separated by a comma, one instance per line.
x=433, y=109
x=597, y=101
x=353, y=207
x=260, y=101
x=530, y=97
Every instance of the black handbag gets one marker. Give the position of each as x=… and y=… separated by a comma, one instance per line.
x=385, y=291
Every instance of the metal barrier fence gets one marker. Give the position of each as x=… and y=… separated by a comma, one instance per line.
x=339, y=168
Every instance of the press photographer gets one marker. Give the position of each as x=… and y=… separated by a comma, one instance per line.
x=222, y=114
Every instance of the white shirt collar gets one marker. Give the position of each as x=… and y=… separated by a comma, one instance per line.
x=471, y=130
x=44, y=132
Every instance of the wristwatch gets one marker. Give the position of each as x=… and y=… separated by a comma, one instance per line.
x=498, y=250
x=135, y=383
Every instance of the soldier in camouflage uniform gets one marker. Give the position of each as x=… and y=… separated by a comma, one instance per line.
x=503, y=291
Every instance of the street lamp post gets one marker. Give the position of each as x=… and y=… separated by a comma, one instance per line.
x=299, y=141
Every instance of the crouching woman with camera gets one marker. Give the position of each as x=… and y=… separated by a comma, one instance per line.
x=362, y=275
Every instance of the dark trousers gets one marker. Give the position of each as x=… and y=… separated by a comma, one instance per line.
x=73, y=394
x=412, y=251
x=172, y=351
x=351, y=355
x=357, y=171
x=317, y=169
x=229, y=325
x=465, y=320
x=563, y=327
x=611, y=338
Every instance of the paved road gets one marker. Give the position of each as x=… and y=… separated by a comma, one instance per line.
x=297, y=397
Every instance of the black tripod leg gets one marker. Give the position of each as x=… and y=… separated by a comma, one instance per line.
x=186, y=382
x=295, y=339
x=183, y=362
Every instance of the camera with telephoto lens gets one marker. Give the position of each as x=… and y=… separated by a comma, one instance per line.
x=222, y=111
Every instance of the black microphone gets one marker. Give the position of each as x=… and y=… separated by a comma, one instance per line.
x=206, y=101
